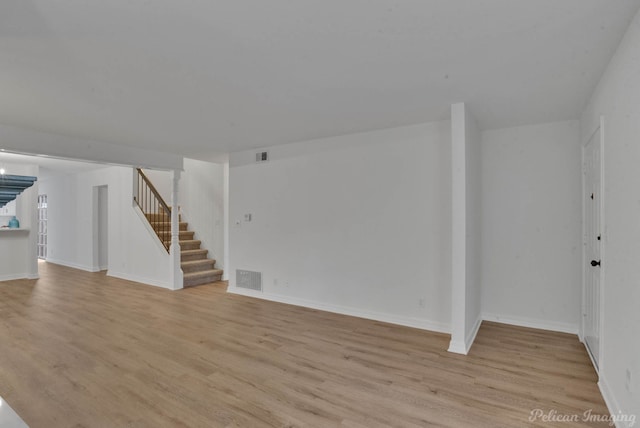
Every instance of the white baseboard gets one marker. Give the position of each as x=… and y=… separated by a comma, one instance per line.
x=471, y=337
x=345, y=310
x=459, y=347
x=141, y=280
x=621, y=418
x=72, y=265
x=532, y=323
x=14, y=277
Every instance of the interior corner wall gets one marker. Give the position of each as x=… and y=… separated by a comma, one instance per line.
x=531, y=224
x=357, y=224
x=617, y=99
x=134, y=254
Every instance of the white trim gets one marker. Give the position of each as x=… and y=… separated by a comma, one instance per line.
x=33, y=276
x=471, y=337
x=533, y=323
x=141, y=280
x=420, y=323
x=604, y=237
x=463, y=348
x=14, y=277
x=593, y=362
x=583, y=241
x=611, y=402
x=457, y=347
x=72, y=265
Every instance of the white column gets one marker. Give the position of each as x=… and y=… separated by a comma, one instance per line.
x=31, y=221
x=174, y=250
x=466, y=189
x=458, y=232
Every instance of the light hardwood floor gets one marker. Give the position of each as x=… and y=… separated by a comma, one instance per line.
x=79, y=349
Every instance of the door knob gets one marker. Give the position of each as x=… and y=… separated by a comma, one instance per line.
x=595, y=263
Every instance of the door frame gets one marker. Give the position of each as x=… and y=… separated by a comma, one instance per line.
x=42, y=198
x=603, y=233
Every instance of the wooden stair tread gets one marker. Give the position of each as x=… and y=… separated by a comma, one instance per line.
x=166, y=225
x=183, y=235
x=202, y=277
x=199, y=265
x=192, y=252
x=210, y=272
x=198, y=262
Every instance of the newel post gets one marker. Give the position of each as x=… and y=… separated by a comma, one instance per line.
x=174, y=250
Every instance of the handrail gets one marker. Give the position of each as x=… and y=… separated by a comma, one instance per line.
x=155, y=209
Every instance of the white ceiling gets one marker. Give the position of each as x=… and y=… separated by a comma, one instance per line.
x=199, y=77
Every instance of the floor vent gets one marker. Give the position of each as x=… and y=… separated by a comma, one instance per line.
x=248, y=279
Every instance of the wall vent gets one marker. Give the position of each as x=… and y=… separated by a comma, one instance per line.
x=262, y=156
x=249, y=280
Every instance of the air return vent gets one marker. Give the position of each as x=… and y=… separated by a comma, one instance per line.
x=262, y=156
x=249, y=280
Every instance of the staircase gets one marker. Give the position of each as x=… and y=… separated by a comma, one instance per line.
x=196, y=267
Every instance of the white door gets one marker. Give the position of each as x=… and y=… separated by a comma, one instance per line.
x=592, y=205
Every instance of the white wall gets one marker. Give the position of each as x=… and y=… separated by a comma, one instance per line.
x=466, y=228
x=358, y=224
x=201, y=200
x=18, y=252
x=531, y=225
x=617, y=98
x=134, y=253
x=163, y=182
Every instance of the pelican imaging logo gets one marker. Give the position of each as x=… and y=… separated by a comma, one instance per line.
x=539, y=415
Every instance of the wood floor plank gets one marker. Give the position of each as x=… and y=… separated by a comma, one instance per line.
x=81, y=349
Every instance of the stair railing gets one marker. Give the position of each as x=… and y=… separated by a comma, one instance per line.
x=154, y=208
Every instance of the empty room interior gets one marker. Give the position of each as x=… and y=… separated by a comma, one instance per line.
x=318, y=214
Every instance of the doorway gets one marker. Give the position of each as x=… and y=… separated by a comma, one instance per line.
x=593, y=240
